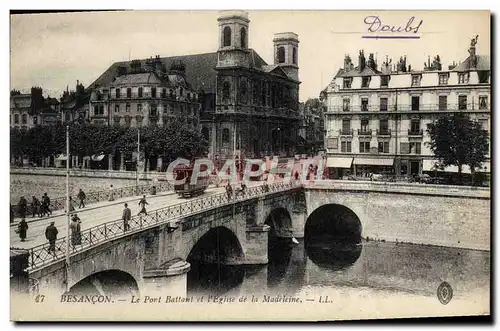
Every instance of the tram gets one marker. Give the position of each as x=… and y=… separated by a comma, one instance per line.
x=188, y=189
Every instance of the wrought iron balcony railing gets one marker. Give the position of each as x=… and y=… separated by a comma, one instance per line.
x=415, y=132
x=346, y=132
x=41, y=255
x=408, y=108
x=362, y=132
x=384, y=132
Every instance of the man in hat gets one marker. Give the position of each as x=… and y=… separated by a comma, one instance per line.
x=51, y=235
x=127, y=215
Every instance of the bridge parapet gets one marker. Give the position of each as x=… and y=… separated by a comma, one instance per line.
x=406, y=188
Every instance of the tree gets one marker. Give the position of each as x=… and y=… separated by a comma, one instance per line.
x=458, y=141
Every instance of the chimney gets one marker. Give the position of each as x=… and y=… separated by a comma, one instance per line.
x=409, y=67
x=361, y=61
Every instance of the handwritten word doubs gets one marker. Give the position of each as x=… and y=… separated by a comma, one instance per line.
x=375, y=25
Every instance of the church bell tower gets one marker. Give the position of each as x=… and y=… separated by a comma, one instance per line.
x=233, y=39
x=286, y=53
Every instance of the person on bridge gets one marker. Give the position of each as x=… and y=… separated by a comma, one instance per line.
x=35, y=207
x=76, y=235
x=143, y=202
x=46, y=204
x=111, y=196
x=22, y=228
x=51, y=235
x=81, y=196
x=21, y=207
x=229, y=190
x=127, y=215
x=71, y=207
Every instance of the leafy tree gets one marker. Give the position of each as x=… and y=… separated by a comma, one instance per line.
x=458, y=141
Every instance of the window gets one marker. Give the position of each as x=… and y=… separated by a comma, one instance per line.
x=415, y=80
x=181, y=92
x=117, y=93
x=346, y=126
x=384, y=126
x=16, y=119
x=164, y=93
x=383, y=147
x=484, y=125
x=129, y=92
x=96, y=110
x=415, y=103
x=364, y=147
x=294, y=55
x=140, y=92
x=463, y=78
x=347, y=82
x=345, y=147
x=364, y=104
x=153, y=92
x=117, y=109
x=281, y=54
x=127, y=107
x=225, y=135
x=365, y=82
x=483, y=76
x=462, y=102
x=101, y=109
x=243, y=38
x=415, y=126
x=243, y=92
x=383, y=104
x=384, y=81
x=226, y=90
x=364, y=125
x=415, y=148
x=152, y=110
x=139, y=108
x=443, y=102
x=483, y=102
x=188, y=96
x=226, y=37
x=35, y=120
x=443, y=79
x=346, y=105
x=25, y=119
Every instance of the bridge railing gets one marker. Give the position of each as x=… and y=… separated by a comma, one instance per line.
x=41, y=255
x=98, y=196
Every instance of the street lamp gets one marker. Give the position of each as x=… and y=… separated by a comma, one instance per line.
x=137, y=163
x=67, y=206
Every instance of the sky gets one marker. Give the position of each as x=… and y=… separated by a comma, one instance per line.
x=55, y=50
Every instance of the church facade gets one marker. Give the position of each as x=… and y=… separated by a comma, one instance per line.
x=247, y=108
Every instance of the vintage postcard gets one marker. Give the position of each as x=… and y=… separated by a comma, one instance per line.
x=250, y=165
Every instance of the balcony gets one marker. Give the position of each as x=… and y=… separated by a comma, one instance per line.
x=407, y=108
x=384, y=132
x=415, y=133
x=346, y=132
x=366, y=132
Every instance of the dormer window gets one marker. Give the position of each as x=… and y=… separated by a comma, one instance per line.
x=347, y=82
x=384, y=81
x=415, y=80
x=483, y=77
x=443, y=79
x=463, y=78
x=365, y=83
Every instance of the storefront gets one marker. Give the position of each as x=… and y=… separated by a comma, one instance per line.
x=363, y=167
x=338, y=167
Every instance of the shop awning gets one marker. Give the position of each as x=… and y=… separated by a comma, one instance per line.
x=339, y=162
x=61, y=157
x=374, y=162
x=429, y=165
x=98, y=157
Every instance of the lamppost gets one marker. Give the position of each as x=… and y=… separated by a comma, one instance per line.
x=138, y=156
x=67, y=205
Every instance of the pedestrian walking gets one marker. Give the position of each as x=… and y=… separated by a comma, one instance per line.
x=71, y=207
x=229, y=190
x=22, y=205
x=46, y=204
x=127, y=215
x=51, y=235
x=143, y=202
x=76, y=235
x=22, y=228
x=81, y=196
x=35, y=207
x=111, y=196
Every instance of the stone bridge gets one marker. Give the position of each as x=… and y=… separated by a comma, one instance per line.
x=155, y=253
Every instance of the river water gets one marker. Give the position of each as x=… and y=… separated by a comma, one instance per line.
x=377, y=268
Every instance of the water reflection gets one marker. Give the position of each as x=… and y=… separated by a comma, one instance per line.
x=333, y=255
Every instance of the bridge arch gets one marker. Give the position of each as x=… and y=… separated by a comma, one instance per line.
x=332, y=236
x=114, y=283
x=215, y=262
